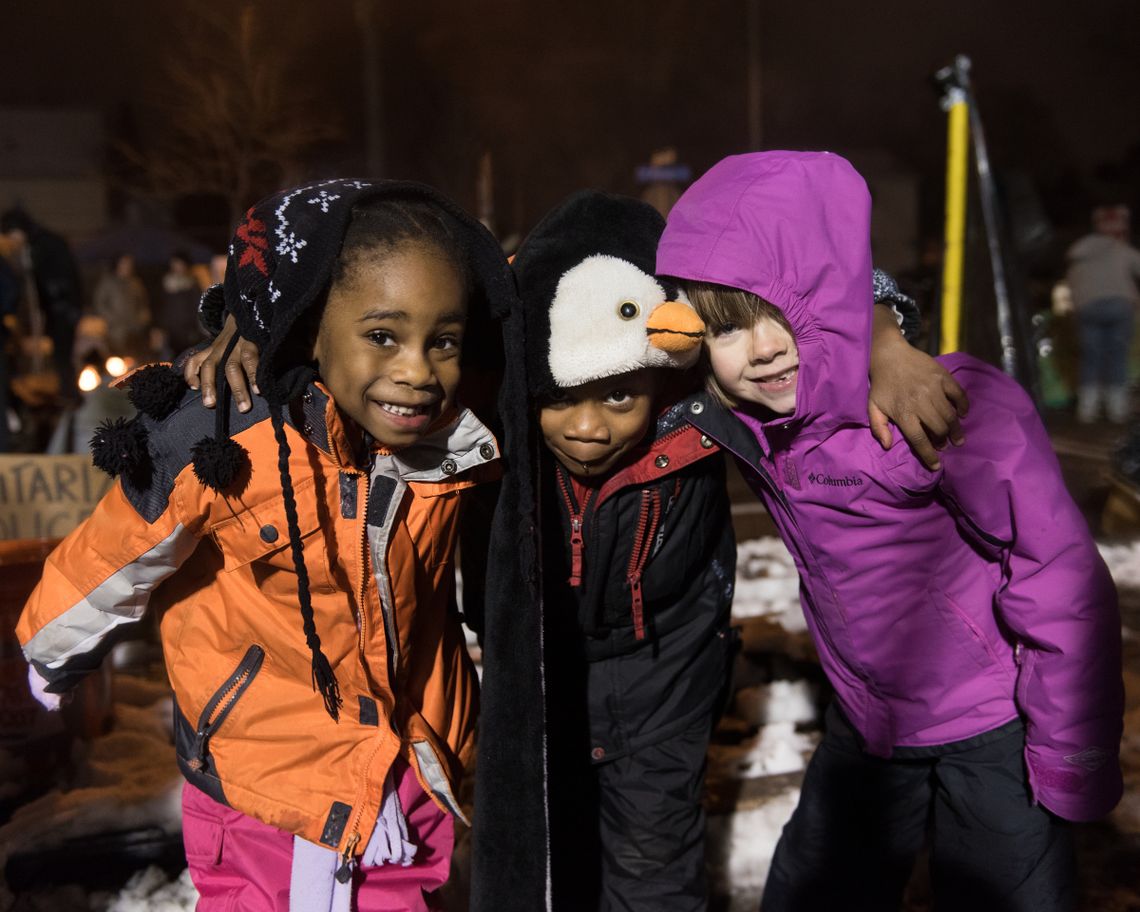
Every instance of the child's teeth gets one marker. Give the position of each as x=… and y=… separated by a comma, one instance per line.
x=402, y=410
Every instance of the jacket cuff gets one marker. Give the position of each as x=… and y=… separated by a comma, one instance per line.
x=887, y=292
x=1081, y=788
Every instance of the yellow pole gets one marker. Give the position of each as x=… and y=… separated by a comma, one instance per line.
x=957, y=160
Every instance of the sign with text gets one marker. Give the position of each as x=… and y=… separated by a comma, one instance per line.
x=47, y=496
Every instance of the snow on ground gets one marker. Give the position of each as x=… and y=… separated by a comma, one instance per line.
x=150, y=891
x=767, y=584
x=1123, y=563
x=780, y=701
x=123, y=780
x=741, y=847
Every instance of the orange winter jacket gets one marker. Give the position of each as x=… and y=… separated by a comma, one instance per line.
x=379, y=534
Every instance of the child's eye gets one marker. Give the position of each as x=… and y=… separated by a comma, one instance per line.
x=448, y=343
x=381, y=337
x=723, y=329
x=556, y=398
x=619, y=397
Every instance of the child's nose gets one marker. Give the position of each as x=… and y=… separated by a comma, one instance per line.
x=765, y=346
x=586, y=425
x=413, y=368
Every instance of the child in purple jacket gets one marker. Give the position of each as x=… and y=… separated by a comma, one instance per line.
x=963, y=616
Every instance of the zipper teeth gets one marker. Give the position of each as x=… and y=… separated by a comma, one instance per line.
x=354, y=822
x=577, y=524
x=227, y=698
x=221, y=702
x=642, y=547
x=361, y=613
x=639, y=535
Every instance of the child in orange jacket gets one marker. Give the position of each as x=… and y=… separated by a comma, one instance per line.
x=301, y=552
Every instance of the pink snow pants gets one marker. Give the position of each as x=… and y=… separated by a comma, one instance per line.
x=239, y=864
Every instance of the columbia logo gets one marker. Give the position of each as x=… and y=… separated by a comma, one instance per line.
x=830, y=481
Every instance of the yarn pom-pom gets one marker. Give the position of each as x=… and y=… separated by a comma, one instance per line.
x=218, y=463
x=119, y=447
x=156, y=390
x=211, y=309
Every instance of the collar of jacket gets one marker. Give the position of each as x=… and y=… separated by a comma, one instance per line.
x=712, y=419
x=458, y=441
x=675, y=445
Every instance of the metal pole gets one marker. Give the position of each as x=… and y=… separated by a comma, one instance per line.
x=988, y=193
x=954, y=101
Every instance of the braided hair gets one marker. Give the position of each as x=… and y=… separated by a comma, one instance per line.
x=286, y=255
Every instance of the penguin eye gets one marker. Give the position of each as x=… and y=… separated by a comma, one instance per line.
x=628, y=310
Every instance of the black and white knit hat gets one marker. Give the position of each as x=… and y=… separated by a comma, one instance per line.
x=592, y=304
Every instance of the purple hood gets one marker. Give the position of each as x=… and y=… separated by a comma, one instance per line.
x=793, y=228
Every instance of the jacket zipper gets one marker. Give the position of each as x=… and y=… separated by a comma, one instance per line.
x=361, y=611
x=222, y=702
x=577, y=522
x=643, y=539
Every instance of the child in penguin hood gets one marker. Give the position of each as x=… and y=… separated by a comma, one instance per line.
x=638, y=556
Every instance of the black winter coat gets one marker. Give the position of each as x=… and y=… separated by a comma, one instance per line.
x=638, y=646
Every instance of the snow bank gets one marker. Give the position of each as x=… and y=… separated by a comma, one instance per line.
x=1123, y=563
x=767, y=584
x=780, y=701
x=150, y=891
x=741, y=847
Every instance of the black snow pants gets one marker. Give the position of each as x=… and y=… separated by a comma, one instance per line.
x=632, y=835
x=861, y=821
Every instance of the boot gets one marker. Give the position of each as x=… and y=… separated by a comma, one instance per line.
x=1088, y=404
x=1117, y=404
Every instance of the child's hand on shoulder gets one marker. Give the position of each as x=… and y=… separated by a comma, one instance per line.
x=916, y=393
x=240, y=370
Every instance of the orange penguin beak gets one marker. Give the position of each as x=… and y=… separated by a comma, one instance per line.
x=674, y=327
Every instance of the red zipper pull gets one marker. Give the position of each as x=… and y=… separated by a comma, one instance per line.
x=637, y=607
x=576, y=551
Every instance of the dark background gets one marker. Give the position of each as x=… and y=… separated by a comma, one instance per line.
x=566, y=95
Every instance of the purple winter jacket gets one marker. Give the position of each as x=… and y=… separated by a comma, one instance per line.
x=943, y=604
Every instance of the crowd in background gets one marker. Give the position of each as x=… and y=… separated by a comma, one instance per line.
x=68, y=332
x=61, y=321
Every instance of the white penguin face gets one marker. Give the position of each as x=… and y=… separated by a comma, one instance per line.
x=598, y=322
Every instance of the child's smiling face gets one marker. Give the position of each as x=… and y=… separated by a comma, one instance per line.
x=389, y=341
x=589, y=428
x=758, y=364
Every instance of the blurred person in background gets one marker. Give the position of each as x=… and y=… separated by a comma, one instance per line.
x=98, y=402
x=120, y=299
x=1103, y=278
x=177, y=314
x=48, y=264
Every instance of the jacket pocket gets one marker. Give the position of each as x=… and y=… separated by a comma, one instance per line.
x=260, y=536
x=1025, y=659
x=967, y=634
x=218, y=708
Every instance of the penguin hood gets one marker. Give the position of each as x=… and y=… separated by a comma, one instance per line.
x=592, y=305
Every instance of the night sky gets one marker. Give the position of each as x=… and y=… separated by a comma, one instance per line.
x=565, y=95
